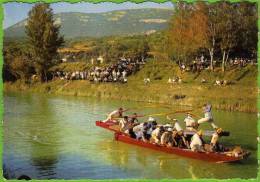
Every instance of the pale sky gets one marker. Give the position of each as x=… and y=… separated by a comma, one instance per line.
x=15, y=11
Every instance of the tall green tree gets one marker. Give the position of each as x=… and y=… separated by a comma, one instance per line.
x=44, y=39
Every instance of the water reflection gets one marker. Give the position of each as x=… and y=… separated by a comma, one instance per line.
x=139, y=160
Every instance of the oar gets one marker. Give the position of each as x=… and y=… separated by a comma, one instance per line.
x=168, y=113
x=194, y=115
x=148, y=106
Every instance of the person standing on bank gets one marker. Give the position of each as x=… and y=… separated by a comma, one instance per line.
x=207, y=116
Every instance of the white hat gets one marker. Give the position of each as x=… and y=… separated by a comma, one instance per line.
x=170, y=129
x=167, y=126
x=151, y=119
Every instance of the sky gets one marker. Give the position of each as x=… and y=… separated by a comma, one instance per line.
x=15, y=11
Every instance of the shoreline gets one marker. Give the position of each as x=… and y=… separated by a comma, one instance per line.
x=152, y=93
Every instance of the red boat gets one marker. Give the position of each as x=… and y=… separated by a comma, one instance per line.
x=216, y=157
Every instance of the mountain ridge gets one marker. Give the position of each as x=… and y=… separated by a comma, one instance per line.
x=117, y=22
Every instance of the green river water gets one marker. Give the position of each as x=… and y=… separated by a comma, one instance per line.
x=49, y=137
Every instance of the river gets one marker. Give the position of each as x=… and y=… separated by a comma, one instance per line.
x=55, y=137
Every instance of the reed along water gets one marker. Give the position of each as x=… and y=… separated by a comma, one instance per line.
x=50, y=137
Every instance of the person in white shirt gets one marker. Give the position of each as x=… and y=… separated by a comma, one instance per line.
x=139, y=130
x=207, y=116
x=114, y=115
x=214, y=140
x=177, y=125
x=150, y=127
x=190, y=123
x=197, y=142
x=156, y=135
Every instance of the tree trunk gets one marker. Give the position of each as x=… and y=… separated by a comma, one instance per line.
x=43, y=76
x=227, y=56
x=211, y=53
x=223, y=61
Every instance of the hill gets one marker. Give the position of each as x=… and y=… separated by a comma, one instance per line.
x=123, y=22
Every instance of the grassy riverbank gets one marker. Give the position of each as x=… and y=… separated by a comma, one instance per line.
x=239, y=96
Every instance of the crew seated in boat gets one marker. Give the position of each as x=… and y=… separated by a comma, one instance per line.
x=139, y=130
x=134, y=119
x=115, y=115
x=129, y=129
x=167, y=138
x=214, y=144
x=156, y=135
x=124, y=124
x=149, y=128
x=197, y=142
x=166, y=126
x=180, y=138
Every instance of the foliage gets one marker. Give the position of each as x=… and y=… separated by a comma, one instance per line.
x=224, y=29
x=16, y=61
x=187, y=33
x=43, y=37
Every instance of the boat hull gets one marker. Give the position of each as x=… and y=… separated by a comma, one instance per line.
x=205, y=156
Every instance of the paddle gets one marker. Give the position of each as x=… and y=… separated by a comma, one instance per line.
x=168, y=113
x=159, y=114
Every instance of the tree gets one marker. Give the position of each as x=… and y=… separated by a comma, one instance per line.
x=20, y=68
x=212, y=31
x=247, y=24
x=228, y=30
x=187, y=31
x=43, y=37
x=16, y=64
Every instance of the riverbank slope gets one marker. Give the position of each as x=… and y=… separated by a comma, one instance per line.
x=240, y=95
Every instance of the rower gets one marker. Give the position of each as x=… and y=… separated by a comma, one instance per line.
x=166, y=138
x=152, y=123
x=139, y=130
x=214, y=140
x=173, y=138
x=197, y=142
x=149, y=128
x=134, y=119
x=114, y=115
x=180, y=137
x=177, y=126
x=207, y=116
x=190, y=123
x=123, y=124
x=156, y=134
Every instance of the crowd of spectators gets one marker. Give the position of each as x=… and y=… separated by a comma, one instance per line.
x=202, y=63
x=117, y=72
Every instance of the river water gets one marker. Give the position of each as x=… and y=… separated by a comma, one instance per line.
x=49, y=137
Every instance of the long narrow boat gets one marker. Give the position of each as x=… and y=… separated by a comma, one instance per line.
x=216, y=157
